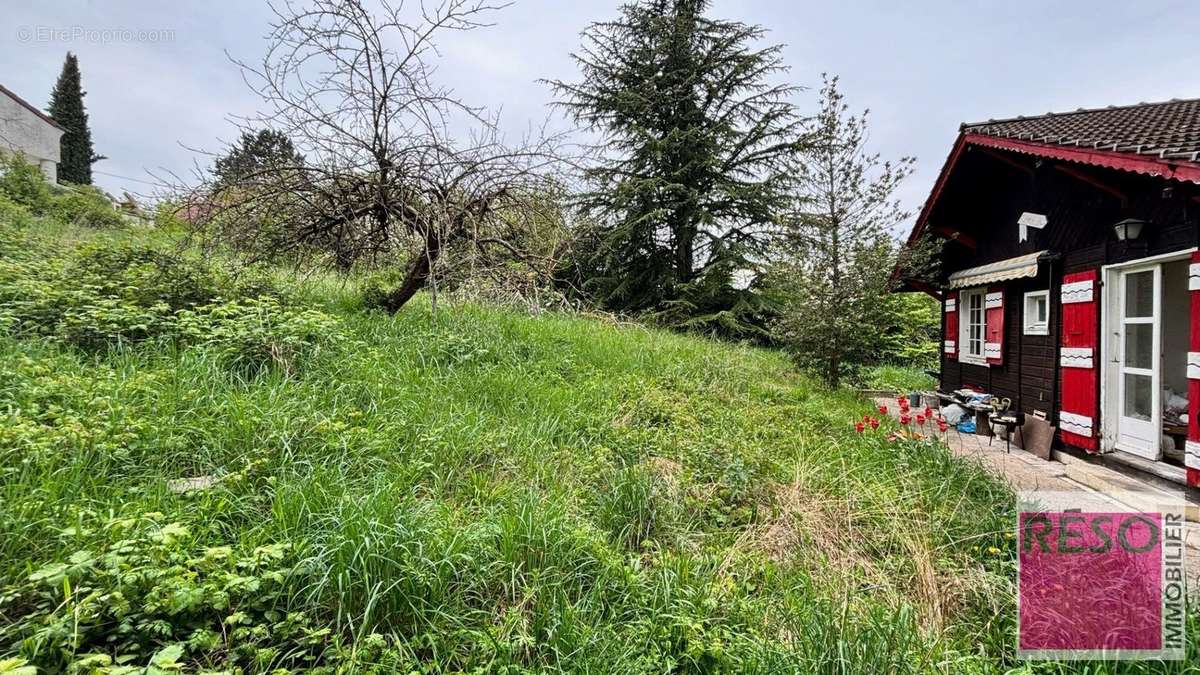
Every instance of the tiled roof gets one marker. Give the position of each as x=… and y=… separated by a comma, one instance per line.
x=29, y=106
x=1169, y=130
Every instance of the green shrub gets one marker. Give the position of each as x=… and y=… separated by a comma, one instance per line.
x=13, y=214
x=147, y=275
x=251, y=334
x=24, y=184
x=144, y=592
x=99, y=295
x=85, y=206
x=103, y=295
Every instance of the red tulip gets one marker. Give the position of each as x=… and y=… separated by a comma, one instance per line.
x=874, y=423
x=859, y=427
x=942, y=426
x=921, y=420
x=883, y=410
x=904, y=418
x=928, y=412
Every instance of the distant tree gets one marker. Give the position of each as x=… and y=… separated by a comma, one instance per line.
x=258, y=151
x=694, y=164
x=834, y=272
x=66, y=107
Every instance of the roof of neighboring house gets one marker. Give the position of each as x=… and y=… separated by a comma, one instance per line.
x=29, y=106
x=1167, y=130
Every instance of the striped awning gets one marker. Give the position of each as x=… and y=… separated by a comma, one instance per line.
x=1013, y=268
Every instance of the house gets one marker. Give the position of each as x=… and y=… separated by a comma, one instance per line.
x=31, y=132
x=1070, y=278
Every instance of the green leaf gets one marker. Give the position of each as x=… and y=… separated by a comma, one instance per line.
x=16, y=667
x=167, y=658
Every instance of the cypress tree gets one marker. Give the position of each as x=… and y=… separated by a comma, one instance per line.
x=66, y=107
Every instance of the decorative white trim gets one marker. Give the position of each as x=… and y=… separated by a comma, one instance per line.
x=1194, y=277
x=1193, y=367
x=1080, y=425
x=951, y=305
x=1076, y=357
x=1077, y=291
x=1192, y=457
x=993, y=300
x=948, y=346
x=991, y=350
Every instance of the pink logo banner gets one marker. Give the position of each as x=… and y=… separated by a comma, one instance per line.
x=1100, y=585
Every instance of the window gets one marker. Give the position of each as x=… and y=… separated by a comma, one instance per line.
x=971, y=326
x=1037, y=313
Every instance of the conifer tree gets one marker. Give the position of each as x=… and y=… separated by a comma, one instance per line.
x=66, y=107
x=834, y=276
x=695, y=159
x=256, y=151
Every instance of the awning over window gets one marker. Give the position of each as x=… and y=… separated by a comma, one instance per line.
x=1013, y=268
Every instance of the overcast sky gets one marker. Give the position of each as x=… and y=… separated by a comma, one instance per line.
x=157, y=77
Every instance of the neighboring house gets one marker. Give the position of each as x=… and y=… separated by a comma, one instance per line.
x=31, y=132
x=1070, y=276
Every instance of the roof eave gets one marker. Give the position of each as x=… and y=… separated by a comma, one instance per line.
x=1121, y=161
x=31, y=108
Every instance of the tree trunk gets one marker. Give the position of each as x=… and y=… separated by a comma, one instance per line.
x=417, y=275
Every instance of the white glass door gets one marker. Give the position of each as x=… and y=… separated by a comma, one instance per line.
x=1139, y=392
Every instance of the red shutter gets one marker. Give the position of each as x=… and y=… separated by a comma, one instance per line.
x=1192, y=457
x=950, y=339
x=1079, y=419
x=993, y=340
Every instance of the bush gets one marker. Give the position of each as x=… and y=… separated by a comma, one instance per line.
x=147, y=275
x=252, y=334
x=24, y=184
x=99, y=296
x=13, y=214
x=148, y=593
x=87, y=207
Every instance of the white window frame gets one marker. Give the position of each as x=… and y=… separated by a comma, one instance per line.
x=971, y=303
x=1029, y=323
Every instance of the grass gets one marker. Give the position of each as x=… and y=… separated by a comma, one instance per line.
x=472, y=490
x=897, y=378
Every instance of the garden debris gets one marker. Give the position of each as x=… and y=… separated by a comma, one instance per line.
x=193, y=484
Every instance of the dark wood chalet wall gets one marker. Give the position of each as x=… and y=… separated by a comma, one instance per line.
x=983, y=200
x=1028, y=374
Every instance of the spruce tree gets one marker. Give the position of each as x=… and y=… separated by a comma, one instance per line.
x=695, y=159
x=66, y=107
x=835, y=272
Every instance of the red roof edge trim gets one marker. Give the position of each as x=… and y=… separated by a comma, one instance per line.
x=1122, y=161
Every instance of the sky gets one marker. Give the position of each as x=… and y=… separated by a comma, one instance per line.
x=160, y=84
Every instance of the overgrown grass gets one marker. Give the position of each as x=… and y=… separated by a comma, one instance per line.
x=897, y=378
x=475, y=490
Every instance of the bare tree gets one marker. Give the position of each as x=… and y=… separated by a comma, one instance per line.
x=395, y=166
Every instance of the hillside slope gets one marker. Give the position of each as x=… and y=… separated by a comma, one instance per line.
x=475, y=489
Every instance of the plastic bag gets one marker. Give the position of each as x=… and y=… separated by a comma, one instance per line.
x=953, y=413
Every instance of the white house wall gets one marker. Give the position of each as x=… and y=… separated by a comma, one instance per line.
x=23, y=131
